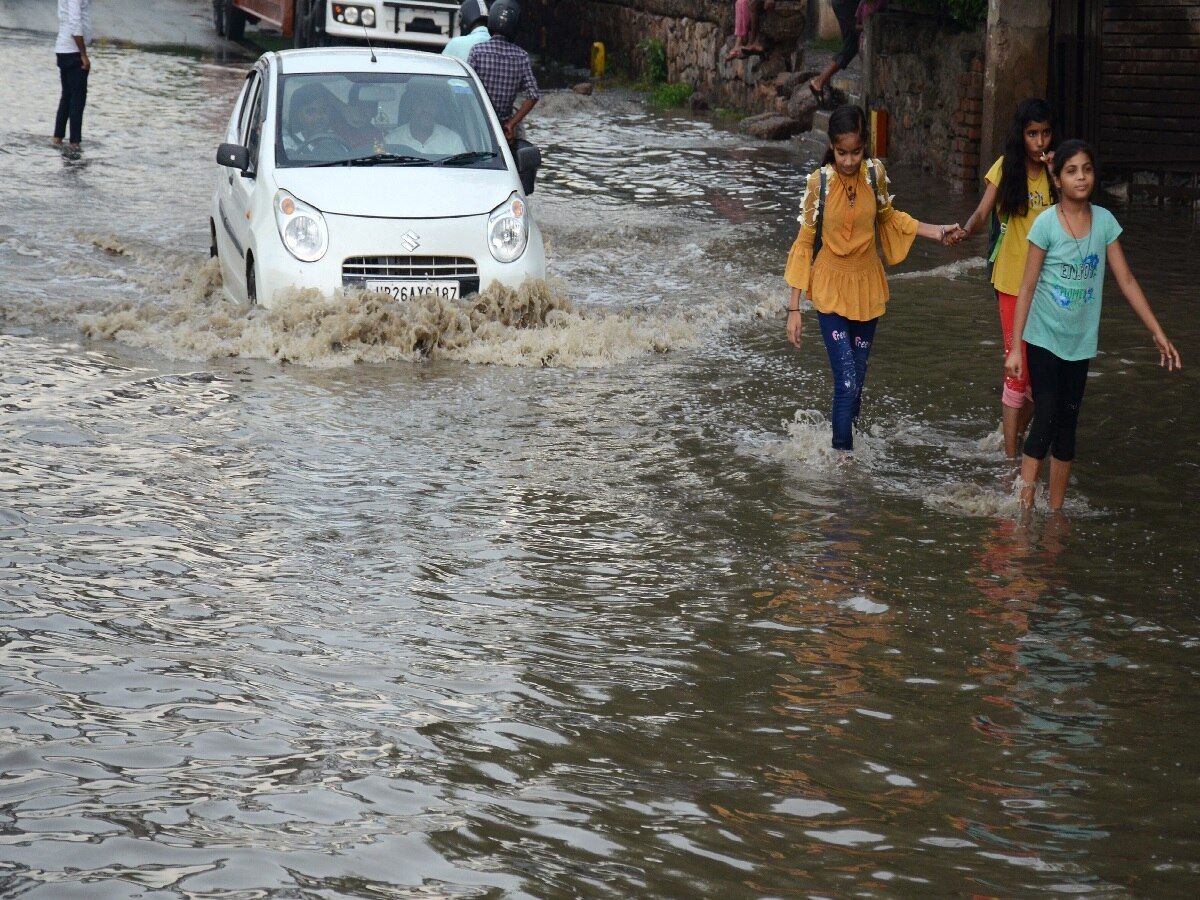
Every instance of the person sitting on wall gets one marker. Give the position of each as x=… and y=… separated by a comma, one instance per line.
x=473, y=30
x=746, y=22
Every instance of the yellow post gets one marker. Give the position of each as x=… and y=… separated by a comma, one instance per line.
x=597, y=59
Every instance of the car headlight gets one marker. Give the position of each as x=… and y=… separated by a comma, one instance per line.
x=301, y=227
x=508, y=233
x=351, y=15
x=368, y=17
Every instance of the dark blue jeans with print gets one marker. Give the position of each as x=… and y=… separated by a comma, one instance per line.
x=848, y=344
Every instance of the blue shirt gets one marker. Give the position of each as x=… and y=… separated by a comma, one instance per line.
x=460, y=46
x=504, y=69
x=1064, y=316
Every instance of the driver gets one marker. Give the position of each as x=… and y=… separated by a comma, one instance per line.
x=419, y=128
x=313, y=116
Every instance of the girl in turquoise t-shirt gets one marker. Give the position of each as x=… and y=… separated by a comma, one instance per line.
x=1058, y=315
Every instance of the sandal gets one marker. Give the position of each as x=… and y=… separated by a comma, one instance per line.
x=815, y=91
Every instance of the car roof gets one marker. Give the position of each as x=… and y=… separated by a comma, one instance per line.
x=363, y=59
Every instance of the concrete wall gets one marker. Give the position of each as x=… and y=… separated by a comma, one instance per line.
x=1018, y=50
x=931, y=82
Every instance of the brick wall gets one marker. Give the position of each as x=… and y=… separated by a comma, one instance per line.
x=963, y=164
x=931, y=81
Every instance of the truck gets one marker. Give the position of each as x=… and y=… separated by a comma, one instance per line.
x=423, y=24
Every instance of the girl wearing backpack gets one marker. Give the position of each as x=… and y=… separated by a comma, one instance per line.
x=834, y=260
x=1018, y=190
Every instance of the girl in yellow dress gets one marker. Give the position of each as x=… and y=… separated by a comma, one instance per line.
x=834, y=259
x=1018, y=190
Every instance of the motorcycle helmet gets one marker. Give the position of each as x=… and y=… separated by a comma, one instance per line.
x=503, y=17
x=470, y=14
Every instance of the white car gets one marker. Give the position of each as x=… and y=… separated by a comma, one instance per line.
x=349, y=169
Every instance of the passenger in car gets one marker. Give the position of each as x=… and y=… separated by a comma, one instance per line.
x=361, y=116
x=419, y=127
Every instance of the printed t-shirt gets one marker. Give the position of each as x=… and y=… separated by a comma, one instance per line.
x=1064, y=316
x=1010, y=260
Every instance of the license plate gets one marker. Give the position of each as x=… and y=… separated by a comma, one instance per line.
x=411, y=290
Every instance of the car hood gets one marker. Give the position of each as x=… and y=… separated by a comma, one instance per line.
x=399, y=192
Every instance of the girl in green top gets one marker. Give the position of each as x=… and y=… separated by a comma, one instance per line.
x=1058, y=315
x=1018, y=190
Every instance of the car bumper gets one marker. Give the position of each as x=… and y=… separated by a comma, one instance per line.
x=426, y=24
x=453, y=249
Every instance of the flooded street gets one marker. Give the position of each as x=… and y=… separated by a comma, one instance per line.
x=569, y=599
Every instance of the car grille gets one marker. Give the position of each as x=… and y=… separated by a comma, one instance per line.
x=357, y=270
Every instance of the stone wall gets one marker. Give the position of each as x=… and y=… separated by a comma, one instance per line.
x=930, y=81
x=696, y=35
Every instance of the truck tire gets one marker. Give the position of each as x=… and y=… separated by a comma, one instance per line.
x=316, y=18
x=302, y=24
x=235, y=22
x=220, y=17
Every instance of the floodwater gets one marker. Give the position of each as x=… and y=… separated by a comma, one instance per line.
x=569, y=599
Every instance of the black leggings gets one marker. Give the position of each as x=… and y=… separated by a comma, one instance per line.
x=74, y=78
x=1058, y=386
x=846, y=12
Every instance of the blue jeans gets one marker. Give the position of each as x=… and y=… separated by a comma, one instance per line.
x=848, y=344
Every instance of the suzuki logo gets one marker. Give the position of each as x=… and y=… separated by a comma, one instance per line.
x=411, y=241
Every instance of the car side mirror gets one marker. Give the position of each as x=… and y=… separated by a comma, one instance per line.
x=235, y=156
x=529, y=159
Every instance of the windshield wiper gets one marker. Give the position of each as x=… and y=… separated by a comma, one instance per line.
x=461, y=159
x=375, y=159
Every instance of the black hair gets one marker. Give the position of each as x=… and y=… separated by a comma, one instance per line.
x=1068, y=150
x=1013, y=192
x=847, y=120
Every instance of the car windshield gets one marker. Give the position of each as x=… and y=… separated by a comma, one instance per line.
x=383, y=119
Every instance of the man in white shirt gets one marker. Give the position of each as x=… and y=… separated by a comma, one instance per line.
x=74, y=34
x=419, y=128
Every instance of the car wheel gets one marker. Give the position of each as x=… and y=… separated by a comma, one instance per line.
x=235, y=22
x=251, y=282
x=220, y=17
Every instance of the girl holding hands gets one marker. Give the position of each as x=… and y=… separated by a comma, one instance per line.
x=1057, y=315
x=1018, y=190
x=848, y=201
